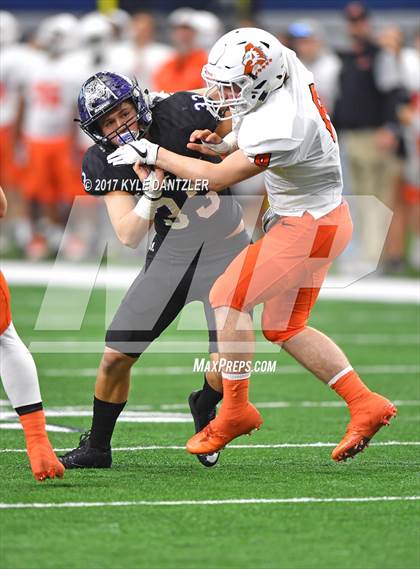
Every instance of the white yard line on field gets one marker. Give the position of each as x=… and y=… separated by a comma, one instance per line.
x=396, y=369
x=86, y=275
x=230, y=502
x=296, y=404
x=126, y=417
x=168, y=414
x=186, y=345
x=15, y=426
x=147, y=413
x=237, y=447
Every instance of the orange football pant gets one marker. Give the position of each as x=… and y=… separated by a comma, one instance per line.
x=285, y=270
x=5, y=310
x=10, y=172
x=51, y=175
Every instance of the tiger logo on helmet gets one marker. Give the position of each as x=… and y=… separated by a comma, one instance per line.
x=254, y=60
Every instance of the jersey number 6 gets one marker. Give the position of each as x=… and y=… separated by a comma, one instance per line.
x=322, y=110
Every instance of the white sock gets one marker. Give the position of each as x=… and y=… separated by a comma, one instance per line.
x=236, y=376
x=339, y=375
x=17, y=370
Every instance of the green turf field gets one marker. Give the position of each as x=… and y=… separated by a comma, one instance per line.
x=163, y=518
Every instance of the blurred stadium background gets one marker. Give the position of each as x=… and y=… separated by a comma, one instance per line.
x=56, y=235
x=49, y=49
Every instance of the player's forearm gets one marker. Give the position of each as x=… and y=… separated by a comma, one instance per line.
x=191, y=169
x=131, y=229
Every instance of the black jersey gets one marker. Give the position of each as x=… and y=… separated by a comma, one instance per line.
x=189, y=214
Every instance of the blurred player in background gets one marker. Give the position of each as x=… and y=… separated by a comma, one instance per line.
x=182, y=72
x=365, y=116
x=402, y=64
x=209, y=28
x=307, y=226
x=20, y=382
x=307, y=39
x=120, y=21
x=141, y=53
x=13, y=60
x=45, y=126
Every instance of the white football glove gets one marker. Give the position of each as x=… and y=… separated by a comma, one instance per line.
x=228, y=145
x=142, y=150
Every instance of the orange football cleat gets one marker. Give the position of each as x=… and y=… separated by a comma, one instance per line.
x=367, y=415
x=44, y=462
x=219, y=432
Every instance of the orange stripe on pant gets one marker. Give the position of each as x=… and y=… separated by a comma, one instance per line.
x=285, y=270
x=5, y=310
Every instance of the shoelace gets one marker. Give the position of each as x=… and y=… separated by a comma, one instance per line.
x=210, y=432
x=82, y=442
x=84, y=438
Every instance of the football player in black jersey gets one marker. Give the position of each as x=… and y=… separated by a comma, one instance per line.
x=198, y=233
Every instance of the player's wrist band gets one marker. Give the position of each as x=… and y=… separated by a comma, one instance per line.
x=146, y=207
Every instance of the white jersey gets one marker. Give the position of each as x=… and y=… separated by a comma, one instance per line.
x=288, y=135
x=410, y=74
x=141, y=62
x=14, y=61
x=50, y=96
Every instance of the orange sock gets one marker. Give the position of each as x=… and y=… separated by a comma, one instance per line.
x=235, y=397
x=44, y=463
x=348, y=385
x=34, y=427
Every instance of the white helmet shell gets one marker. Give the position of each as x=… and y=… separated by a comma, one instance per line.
x=210, y=28
x=9, y=28
x=56, y=34
x=244, y=67
x=95, y=27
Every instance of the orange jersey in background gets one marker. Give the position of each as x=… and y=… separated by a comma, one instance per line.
x=181, y=72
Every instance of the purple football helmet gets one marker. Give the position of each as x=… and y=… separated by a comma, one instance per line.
x=100, y=94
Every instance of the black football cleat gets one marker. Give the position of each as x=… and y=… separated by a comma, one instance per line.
x=201, y=421
x=86, y=456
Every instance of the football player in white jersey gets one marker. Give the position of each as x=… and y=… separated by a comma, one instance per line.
x=280, y=127
x=15, y=59
x=45, y=125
